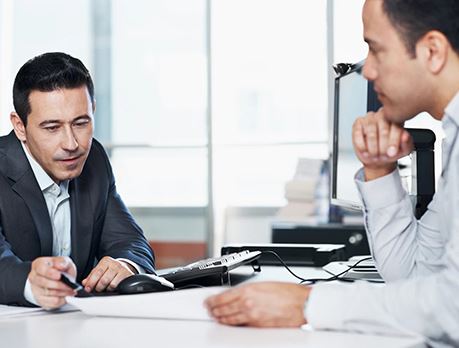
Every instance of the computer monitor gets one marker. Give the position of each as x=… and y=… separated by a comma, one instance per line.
x=354, y=97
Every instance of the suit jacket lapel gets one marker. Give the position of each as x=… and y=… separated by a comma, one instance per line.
x=26, y=186
x=82, y=224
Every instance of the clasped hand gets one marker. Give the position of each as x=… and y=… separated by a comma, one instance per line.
x=379, y=143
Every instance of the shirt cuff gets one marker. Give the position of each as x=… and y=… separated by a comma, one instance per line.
x=28, y=294
x=326, y=308
x=138, y=268
x=380, y=192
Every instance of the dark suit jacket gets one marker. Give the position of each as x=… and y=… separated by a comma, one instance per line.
x=101, y=225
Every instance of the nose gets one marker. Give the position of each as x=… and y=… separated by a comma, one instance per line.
x=69, y=141
x=369, y=70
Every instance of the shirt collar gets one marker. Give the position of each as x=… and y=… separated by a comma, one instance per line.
x=43, y=179
x=452, y=110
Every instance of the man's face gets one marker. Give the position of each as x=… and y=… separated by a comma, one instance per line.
x=399, y=78
x=59, y=131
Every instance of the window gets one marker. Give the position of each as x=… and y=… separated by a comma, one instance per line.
x=202, y=104
x=269, y=100
x=28, y=28
x=159, y=101
x=348, y=44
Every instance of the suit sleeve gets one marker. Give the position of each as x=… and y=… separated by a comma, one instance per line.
x=121, y=236
x=13, y=275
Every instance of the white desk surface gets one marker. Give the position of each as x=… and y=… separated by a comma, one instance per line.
x=75, y=329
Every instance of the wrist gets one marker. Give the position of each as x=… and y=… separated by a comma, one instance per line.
x=129, y=266
x=305, y=303
x=372, y=173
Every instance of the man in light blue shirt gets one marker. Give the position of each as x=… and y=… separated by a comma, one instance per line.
x=413, y=60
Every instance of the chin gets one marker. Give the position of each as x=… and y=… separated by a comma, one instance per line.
x=395, y=115
x=68, y=175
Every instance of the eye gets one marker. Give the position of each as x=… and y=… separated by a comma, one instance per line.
x=82, y=123
x=51, y=128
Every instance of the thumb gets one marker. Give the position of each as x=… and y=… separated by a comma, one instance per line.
x=407, y=145
x=64, y=264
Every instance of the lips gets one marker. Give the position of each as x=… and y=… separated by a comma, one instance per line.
x=70, y=161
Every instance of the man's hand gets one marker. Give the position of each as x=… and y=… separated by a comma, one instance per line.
x=379, y=143
x=44, y=278
x=107, y=275
x=264, y=304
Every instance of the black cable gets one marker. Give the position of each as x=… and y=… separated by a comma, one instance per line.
x=337, y=276
x=314, y=280
x=283, y=263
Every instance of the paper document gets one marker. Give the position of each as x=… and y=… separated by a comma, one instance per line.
x=10, y=311
x=179, y=304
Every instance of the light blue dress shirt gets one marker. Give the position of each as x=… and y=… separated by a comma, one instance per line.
x=418, y=259
x=58, y=202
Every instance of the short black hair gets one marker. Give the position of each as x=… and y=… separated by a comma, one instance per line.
x=48, y=72
x=414, y=18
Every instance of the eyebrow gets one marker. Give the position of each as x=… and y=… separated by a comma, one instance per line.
x=78, y=118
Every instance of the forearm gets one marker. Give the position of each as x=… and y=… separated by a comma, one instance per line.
x=426, y=306
x=133, y=252
x=122, y=237
x=13, y=275
x=398, y=242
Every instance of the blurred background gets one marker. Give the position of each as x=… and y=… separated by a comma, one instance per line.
x=204, y=106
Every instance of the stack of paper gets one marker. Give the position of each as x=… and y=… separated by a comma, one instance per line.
x=179, y=304
x=13, y=311
x=300, y=190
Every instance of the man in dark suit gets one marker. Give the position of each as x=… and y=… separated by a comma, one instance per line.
x=59, y=208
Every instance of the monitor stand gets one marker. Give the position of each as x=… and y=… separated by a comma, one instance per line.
x=423, y=169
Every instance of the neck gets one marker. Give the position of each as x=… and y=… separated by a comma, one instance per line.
x=441, y=102
x=445, y=89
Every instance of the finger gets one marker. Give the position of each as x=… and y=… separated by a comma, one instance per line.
x=106, y=279
x=119, y=277
x=228, y=309
x=49, y=284
x=358, y=138
x=91, y=281
x=56, y=293
x=371, y=137
x=236, y=319
x=384, y=129
x=45, y=269
x=393, y=147
x=51, y=302
x=222, y=299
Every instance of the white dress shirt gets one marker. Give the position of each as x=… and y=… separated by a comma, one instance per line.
x=419, y=260
x=58, y=202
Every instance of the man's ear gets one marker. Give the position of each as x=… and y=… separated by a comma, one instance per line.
x=18, y=126
x=433, y=49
